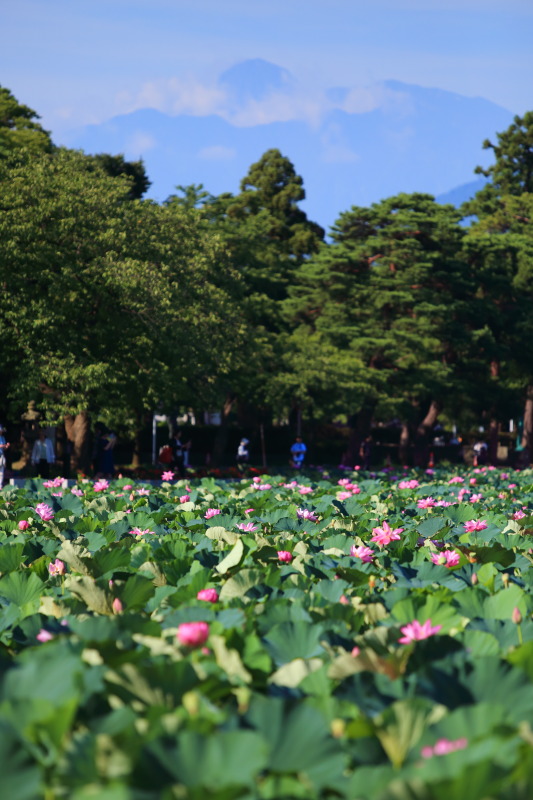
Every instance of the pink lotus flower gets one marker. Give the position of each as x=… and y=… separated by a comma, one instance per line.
x=55, y=484
x=212, y=512
x=516, y=616
x=185, y=498
x=290, y=485
x=284, y=556
x=385, y=534
x=127, y=487
x=76, y=491
x=443, y=503
x=143, y=492
x=412, y=484
x=208, y=595
x=56, y=567
x=44, y=636
x=117, y=606
x=343, y=600
x=45, y=512
x=366, y=554
x=264, y=487
x=248, y=527
x=426, y=502
x=355, y=651
x=501, y=496
x=476, y=498
x=305, y=489
x=101, y=485
x=475, y=525
x=167, y=475
x=414, y=631
x=24, y=525
x=249, y=511
x=517, y=515
x=443, y=747
x=257, y=479
x=343, y=495
x=140, y=532
x=303, y=513
x=448, y=558
x=456, y=479
x=193, y=634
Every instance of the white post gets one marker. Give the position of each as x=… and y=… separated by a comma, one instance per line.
x=154, y=437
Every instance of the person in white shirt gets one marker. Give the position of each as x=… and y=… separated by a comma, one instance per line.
x=243, y=454
x=298, y=451
x=42, y=455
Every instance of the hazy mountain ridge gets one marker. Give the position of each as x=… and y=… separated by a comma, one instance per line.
x=413, y=139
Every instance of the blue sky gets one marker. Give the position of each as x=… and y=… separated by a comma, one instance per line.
x=81, y=61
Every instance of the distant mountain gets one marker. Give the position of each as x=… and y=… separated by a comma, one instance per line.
x=406, y=138
x=461, y=194
x=255, y=79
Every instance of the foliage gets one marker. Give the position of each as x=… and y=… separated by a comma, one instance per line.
x=19, y=128
x=99, y=697
x=105, y=302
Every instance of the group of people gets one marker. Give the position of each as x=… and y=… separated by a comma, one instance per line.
x=296, y=460
x=175, y=454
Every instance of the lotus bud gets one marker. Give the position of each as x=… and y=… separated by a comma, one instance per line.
x=338, y=727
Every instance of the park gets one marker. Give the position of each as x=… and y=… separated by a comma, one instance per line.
x=366, y=637
x=266, y=488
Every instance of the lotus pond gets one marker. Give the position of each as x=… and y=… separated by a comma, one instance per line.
x=367, y=639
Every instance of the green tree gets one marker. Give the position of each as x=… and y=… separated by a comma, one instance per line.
x=106, y=304
x=117, y=166
x=387, y=301
x=500, y=243
x=19, y=127
x=266, y=236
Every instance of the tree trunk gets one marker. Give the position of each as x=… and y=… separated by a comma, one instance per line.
x=423, y=433
x=137, y=443
x=405, y=441
x=494, y=432
x=78, y=430
x=221, y=439
x=527, y=434
x=361, y=428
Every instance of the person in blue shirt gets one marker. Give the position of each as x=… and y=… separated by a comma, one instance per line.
x=298, y=451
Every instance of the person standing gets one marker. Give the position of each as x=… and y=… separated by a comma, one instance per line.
x=105, y=441
x=298, y=451
x=178, y=453
x=42, y=455
x=243, y=454
x=4, y=445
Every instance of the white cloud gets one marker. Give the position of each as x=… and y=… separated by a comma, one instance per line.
x=174, y=96
x=138, y=143
x=336, y=149
x=217, y=152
